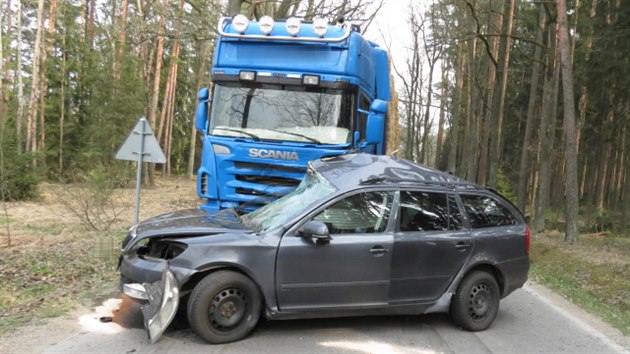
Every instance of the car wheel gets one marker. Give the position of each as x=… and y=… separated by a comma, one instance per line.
x=476, y=303
x=224, y=307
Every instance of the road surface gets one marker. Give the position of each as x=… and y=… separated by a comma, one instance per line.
x=527, y=323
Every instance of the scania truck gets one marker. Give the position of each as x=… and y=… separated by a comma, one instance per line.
x=284, y=93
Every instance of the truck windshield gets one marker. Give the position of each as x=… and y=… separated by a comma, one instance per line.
x=282, y=113
x=313, y=188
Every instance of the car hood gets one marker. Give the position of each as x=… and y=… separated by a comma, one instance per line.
x=193, y=219
x=186, y=223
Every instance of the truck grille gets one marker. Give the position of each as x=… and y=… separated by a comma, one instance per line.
x=263, y=166
x=269, y=180
x=266, y=182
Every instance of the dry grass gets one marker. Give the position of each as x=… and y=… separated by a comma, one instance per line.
x=54, y=262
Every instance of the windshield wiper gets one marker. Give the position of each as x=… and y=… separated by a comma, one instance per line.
x=313, y=140
x=251, y=135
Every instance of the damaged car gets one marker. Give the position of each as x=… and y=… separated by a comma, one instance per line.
x=361, y=235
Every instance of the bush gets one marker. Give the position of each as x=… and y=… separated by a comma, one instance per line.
x=17, y=177
x=90, y=199
x=504, y=187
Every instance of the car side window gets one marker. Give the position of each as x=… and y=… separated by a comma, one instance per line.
x=485, y=211
x=359, y=213
x=424, y=211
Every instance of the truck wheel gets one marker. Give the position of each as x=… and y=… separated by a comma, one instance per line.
x=476, y=303
x=224, y=307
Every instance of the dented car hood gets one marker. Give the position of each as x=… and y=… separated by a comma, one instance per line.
x=186, y=223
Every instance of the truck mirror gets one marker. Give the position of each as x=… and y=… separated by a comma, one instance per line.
x=379, y=106
x=201, y=115
x=375, y=128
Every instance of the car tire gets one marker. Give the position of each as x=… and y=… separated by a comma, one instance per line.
x=224, y=307
x=476, y=303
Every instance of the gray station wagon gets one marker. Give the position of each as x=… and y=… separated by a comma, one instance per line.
x=361, y=235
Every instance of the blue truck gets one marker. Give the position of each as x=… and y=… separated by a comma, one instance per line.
x=284, y=93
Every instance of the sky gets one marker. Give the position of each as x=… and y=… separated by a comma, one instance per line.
x=390, y=30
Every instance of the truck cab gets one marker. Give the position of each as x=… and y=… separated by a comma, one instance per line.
x=285, y=93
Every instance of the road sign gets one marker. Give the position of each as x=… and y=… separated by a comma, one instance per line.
x=141, y=146
x=141, y=142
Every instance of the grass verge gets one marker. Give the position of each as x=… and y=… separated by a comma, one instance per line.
x=43, y=282
x=593, y=273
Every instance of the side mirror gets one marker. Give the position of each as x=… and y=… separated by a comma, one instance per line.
x=315, y=229
x=379, y=106
x=375, y=128
x=201, y=115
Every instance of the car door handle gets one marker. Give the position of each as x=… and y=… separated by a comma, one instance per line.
x=462, y=246
x=378, y=250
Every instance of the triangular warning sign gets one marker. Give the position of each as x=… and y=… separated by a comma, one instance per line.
x=141, y=143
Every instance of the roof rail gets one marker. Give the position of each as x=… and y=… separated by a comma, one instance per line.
x=381, y=179
x=224, y=20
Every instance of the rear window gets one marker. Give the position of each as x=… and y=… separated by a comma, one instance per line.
x=428, y=211
x=485, y=211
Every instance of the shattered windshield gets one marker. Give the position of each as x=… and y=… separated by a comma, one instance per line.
x=313, y=188
x=282, y=113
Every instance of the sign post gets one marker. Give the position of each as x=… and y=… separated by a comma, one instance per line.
x=141, y=146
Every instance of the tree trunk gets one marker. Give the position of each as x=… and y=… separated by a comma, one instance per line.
x=571, y=182
x=202, y=53
x=498, y=101
x=47, y=45
x=442, y=117
x=456, y=118
x=482, y=170
x=2, y=95
x=120, y=45
x=62, y=113
x=547, y=134
x=234, y=7
x=31, y=124
x=157, y=73
x=20, y=99
x=9, y=35
x=583, y=100
x=470, y=134
x=524, y=168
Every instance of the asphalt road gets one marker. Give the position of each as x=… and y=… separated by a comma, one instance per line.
x=527, y=323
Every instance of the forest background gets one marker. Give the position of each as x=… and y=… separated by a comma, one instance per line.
x=482, y=93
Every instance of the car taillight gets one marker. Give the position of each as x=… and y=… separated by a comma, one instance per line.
x=528, y=238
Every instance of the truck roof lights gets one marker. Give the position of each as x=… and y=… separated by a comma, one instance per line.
x=247, y=75
x=240, y=23
x=293, y=25
x=311, y=80
x=266, y=24
x=320, y=26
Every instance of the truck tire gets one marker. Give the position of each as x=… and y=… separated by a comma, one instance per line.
x=476, y=303
x=224, y=307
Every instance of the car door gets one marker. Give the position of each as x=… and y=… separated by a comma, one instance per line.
x=430, y=246
x=351, y=269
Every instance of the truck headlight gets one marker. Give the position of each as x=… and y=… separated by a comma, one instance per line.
x=247, y=75
x=220, y=149
x=312, y=80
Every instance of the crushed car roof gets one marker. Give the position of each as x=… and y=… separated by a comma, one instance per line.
x=348, y=171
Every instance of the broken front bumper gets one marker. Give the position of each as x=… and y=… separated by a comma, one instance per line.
x=162, y=300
